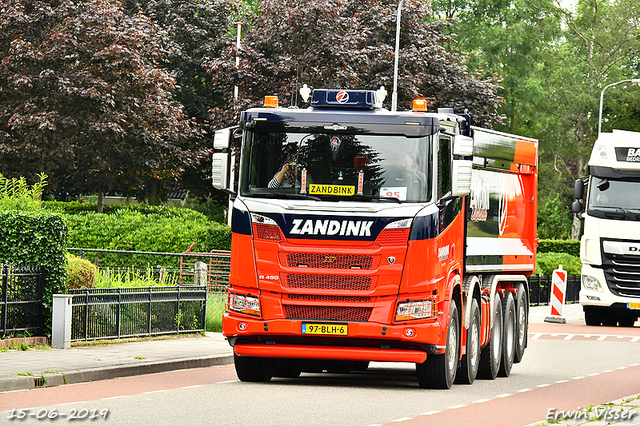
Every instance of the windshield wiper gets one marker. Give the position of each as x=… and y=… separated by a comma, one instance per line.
x=613, y=212
x=289, y=196
x=378, y=198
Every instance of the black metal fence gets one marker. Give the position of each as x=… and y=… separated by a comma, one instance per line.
x=134, y=312
x=540, y=285
x=21, y=303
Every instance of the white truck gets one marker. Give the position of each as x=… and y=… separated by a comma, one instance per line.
x=609, y=202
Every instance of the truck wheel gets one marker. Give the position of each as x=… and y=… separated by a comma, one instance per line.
x=490, y=356
x=522, y=326
x=509, y=334
x=439, y=371
x=471, y=360
x=252, y=369
x=592, y=316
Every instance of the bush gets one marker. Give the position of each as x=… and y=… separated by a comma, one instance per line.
x=37, y=237
x=546, y=263
x=80, y=273
x=146, y=228
x=571, y=247
x=16, y=194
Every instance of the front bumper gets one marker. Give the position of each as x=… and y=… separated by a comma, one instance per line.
x=604, y=298
x=365, y=341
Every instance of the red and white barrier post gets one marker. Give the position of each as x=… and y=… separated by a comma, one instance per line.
x=558, y=291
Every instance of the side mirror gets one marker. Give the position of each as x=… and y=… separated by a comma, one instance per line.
x=577, y=207
x=461, y=165
x=578, y=190
x=461, y=177
x=463, y=146
x=220, y=170
x=221, y=176
x=221, y=139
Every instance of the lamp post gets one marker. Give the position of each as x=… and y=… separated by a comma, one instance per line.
x=235, y=88
x=394, y=95
x=632, y=81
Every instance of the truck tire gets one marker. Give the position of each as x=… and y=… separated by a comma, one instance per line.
x=509, y=334
x=471, y=360
x=439, y=371
x=592, y=316
x=252, y=369
x=522, y=317
x=491, y=355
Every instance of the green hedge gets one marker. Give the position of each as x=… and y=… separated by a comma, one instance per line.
x=546, y=263
x=75, y=207
x=37, y=238
x=145, y=228
x=571, y=247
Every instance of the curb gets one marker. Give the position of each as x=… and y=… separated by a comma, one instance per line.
x=16, y=383
x=29, y=341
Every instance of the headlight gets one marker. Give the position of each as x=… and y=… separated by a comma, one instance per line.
x=398, y=224
x=243, y=304
x=395, y=233
x=265, y=228
x=591, y=283
x=415, y=310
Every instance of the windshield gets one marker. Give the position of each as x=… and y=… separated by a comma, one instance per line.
x=336, y=167
x=614, y=199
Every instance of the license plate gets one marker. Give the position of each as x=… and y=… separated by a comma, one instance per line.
x=325, y=329
x=633, y=305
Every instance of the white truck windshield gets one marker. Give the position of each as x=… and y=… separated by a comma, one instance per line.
x=614, y=199
x=337, y=167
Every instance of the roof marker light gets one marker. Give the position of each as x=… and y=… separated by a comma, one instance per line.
x=271, y=101
x=420, y=105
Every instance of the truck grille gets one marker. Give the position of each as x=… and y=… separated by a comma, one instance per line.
x=336, y=313
x=329, y=282
x=622, y=273
x=329, y=261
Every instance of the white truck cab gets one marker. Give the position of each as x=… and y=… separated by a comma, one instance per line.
x=610, y=245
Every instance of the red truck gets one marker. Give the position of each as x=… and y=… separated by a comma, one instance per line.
x=360, y=234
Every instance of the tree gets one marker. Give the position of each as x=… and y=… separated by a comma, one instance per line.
x=195, y=29
x=83, y=98
x=511, y=39
x=553, y=63
x=348, y=44
x=602, y=46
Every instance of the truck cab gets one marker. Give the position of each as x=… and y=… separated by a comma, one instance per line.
x=609, y=201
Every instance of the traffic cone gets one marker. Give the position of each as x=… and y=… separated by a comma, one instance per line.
x=558, y=290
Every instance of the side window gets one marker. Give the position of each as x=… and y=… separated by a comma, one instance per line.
x=444, y=165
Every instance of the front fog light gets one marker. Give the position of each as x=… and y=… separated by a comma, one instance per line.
x=591, y=283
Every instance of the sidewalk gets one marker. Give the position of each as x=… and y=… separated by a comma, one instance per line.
x=30, y=369
x=572, y=313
